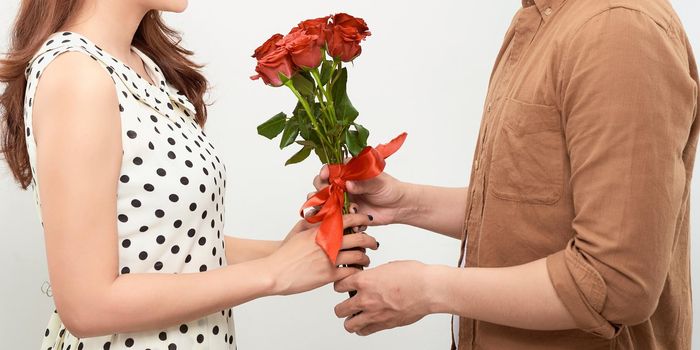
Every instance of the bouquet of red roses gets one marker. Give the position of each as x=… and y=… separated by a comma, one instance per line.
x=309, y=61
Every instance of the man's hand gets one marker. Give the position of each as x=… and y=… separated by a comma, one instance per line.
x=388, y=296
x=381, y=197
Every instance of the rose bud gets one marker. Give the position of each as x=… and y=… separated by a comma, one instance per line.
x=344, y=36
x=268, y=46
x=272, y=65
x=314, y=27
x=303, y=48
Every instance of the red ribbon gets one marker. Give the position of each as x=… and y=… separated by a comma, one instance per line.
x=366, y=165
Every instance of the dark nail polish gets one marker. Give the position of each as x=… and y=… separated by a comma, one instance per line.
x=371, y=218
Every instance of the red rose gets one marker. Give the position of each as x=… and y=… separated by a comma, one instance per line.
x=344, y=36
x=314, y=27
x=271, y=65
x=267, y=47
x=303, y=48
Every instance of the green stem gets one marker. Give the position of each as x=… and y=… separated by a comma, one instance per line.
x=307, y=108
x=327, y=94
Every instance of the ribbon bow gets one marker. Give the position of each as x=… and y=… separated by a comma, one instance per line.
x=366, y=165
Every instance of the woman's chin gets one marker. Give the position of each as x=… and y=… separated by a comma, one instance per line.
x=177, y=6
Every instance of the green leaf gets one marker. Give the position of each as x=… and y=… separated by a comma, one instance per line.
x=321, y=155
x=299, y=156
x=303, y=85
x=363, y=133
x=291, y=131
x=326, y=71
x=273, y=126
x=306, y=143
x=344, y=109
x=352, y=140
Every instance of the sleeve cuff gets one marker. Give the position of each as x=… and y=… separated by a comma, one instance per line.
x=582, y=290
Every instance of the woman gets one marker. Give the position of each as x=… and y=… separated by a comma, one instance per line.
x=102, y=116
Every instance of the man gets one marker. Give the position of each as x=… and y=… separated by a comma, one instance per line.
x=574, y=226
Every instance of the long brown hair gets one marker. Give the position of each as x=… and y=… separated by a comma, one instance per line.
x=36, y=20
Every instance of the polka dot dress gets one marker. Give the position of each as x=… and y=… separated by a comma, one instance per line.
x=170, y=197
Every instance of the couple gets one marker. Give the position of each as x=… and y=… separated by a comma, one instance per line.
x=574, y=227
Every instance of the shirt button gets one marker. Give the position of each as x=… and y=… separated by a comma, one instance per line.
x=548, y=11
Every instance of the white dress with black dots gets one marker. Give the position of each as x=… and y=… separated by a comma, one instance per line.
x=170, y=197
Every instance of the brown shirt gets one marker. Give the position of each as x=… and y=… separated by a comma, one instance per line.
x=584, y=157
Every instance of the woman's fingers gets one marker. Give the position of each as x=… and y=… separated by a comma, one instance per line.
x=352, y=220
x=352, y=257
x=359, y=240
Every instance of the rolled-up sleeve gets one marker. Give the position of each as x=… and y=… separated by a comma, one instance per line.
x=628, y=102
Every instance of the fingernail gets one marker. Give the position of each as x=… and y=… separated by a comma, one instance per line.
x=371, y=218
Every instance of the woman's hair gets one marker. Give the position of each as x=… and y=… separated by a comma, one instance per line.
x=36, y=20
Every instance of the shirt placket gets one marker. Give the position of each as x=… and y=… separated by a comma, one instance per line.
x=525, y=28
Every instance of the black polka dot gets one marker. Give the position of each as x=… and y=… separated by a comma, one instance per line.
x=160, y=172
x=124, y=178
x=154, y=118
x=188, y=258
x=172, y=346
x=158, y=265
x=175, y=249
x=163, y=336
x=143, y=255
x=204, y=215
x=129, y=342
x=177, y=223
x=160, y=213
x=184, y=180
x=200, y=338
x=107, y=345
x=148, y=187
x=138, y=161
x=131, y=134
x=171, y=155
x=121, y=109
x=125, y=270
x=150, y=146
x=160, y=239
x=173, y=197
x=206, y=172
x=143, y=229
x=126, y=243
x=193, y=206
x=135, y=203
x=203, y=268
x=123, y=218
x=202, y=241
x=212, y=223
x=213, y=251
x=171, y=141
x=46, y=333
x=191, y=232
x=183, y=329
x=202, y=188
x=215, y=330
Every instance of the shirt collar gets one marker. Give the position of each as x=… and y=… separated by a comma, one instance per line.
x=546, y=8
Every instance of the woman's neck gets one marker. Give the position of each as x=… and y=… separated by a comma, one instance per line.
x=109, y=24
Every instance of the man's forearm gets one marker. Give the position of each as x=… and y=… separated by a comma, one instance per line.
x=437, y=209
x=520, y=296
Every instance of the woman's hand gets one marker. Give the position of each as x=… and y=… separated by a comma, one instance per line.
x=300, y=265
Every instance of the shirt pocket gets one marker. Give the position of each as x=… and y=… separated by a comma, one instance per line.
x=527, y=160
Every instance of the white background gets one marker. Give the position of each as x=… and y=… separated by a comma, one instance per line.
x=424, y=70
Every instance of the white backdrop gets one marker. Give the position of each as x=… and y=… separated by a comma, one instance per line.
x=424, y=70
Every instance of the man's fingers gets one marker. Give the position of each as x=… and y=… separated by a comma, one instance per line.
x=347, y=308
x=352, y=220
x=371, y=329
x=359, y=240
x=346, y=284
x=358, y=322
x=352, y=257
